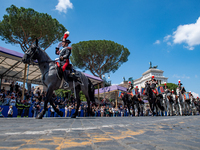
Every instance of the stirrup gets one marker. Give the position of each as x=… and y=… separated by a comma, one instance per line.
x=66, y=85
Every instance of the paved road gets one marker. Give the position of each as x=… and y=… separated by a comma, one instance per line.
x=168, y=133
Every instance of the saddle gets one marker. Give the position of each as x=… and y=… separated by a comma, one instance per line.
x=59, y=69
x=76, y=76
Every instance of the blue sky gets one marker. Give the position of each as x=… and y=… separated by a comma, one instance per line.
x=166, y=32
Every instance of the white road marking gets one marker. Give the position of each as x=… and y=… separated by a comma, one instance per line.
x=86, y=128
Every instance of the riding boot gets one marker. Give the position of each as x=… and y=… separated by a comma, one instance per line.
x=65, y=75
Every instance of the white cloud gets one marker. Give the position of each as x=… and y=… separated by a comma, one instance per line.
x=189, y=34
x=189, y=47
x=166, y=38
x=63, y=5
x=196, y=76
x=169, y=43
x=183, y=76
x=195, y=94
x=157, y=42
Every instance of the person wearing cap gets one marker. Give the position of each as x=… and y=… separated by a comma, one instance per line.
x=130, y=87
x=64, y=54
x=181, y=89
x=153, y=83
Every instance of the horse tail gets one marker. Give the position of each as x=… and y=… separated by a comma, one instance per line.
x=91, y=91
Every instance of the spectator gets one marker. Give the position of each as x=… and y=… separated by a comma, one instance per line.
x=72, y=99
x=20, y=107
x=27, y=106
x=85, y=110
x=12, y=101
x=52, y=111
x=12, y=87
x=102, y=111
x=113, y=111
x=1, y=115
x=1, y=100
x=32, y=90
x=70, y=109
x=57, y=107
x=107, y=111
x=79, y=111
x=116, y=112
x=36, y=108
x=16, y=87
x=38, y=91
x=66, y=109
x=10, y=111
x=3, y=90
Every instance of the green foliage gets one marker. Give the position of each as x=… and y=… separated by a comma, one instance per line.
x=171, y=86
x=62, y=92
x=82, y=96
x=22, y=26
x=99, y=56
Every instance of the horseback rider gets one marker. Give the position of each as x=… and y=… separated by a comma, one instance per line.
x=64, y=54
x=167, y=91
x=181, y=89
x=130, y=87
x=153, y=83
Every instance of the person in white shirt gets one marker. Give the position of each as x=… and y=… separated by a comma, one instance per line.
x=66, y=109
x=12, y=101
x=10, y=111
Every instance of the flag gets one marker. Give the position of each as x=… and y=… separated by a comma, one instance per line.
x=186, y=96
x=161, y=89
x=136, y=91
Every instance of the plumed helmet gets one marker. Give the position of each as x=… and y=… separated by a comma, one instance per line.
x=136, y=87
x=165, y=83
x=179, y=82
x=67, y=41
x=129, y=82
x=152, y=76
x=66, y=34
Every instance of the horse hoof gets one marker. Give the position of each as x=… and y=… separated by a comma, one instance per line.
x=61, y=113
x=38, y=117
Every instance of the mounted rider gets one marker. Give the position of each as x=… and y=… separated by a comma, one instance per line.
x=64, y=54
x=153, y=84
x=180, y=88
x=167, y=91
x=130, y=87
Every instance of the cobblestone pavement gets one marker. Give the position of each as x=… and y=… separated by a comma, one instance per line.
x=168, y=133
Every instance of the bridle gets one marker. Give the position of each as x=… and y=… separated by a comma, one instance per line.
x=30, y=52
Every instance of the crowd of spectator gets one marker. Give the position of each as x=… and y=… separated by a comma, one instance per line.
x=34, y=101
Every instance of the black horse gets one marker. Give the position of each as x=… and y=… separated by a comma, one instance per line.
x=132, y=101
x=153, y=99
x=53, y=80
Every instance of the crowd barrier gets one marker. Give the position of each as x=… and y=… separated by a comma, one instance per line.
x=6, y=108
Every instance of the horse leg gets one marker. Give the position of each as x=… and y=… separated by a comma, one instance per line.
x=78, y=103
x=60, y=113
x=48, y=96
x=129, y=109
x=138, y=108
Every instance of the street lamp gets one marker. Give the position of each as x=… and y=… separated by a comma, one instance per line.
x=104, y=86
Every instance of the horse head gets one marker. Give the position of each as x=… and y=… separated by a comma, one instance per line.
x=30, y=54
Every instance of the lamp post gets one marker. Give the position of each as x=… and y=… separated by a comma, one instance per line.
x=104, y=86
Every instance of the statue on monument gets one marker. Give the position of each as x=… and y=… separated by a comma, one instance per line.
x=153, y=66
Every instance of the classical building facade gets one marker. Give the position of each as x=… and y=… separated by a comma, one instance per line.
x=146, y=76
